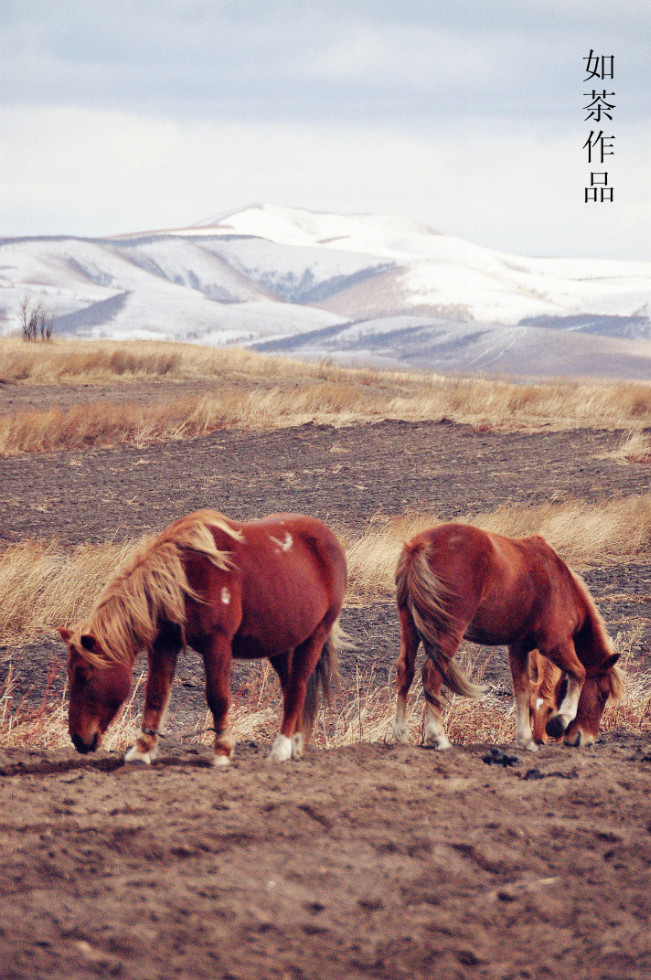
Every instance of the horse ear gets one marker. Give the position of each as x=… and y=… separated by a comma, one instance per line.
x=65, y=634
x=612, y=660
x=89, y=643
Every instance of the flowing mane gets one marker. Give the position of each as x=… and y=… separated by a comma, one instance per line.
x=600, y=634
x=152, y=586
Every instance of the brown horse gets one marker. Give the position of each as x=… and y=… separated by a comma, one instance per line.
x=457, y=581
x=269, y=588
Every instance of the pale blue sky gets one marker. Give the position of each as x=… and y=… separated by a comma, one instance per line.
x=126, y=115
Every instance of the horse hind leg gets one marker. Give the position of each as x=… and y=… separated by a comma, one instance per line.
x=296, y=672
x=409, y=641
x=283, y=748
x=434, y=735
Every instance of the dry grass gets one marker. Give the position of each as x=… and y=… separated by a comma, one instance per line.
x=258, y=391
x=44, y=585
x=636, y=448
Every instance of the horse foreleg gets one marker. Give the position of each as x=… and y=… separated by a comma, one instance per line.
x=162, y=665
x=217, y=663
x=409, y=641
x=564, y=656
x=434, y=736
x=519, y=663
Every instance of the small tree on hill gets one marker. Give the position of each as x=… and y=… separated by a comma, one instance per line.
x=35, y=322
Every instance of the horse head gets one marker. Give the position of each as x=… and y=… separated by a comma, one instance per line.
x=597, y=689
x=98, y=689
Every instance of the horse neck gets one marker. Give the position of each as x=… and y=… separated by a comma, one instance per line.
x=592, y=643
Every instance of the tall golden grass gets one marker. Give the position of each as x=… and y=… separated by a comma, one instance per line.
x=253, y=390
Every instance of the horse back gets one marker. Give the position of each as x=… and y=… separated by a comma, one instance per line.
x=498, y=589
x=287, y=574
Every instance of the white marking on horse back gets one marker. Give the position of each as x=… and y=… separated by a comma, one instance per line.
x=283, y=545
x=539, y=702
x=226, y=595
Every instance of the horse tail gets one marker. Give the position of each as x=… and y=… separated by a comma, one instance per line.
x=428, y=599
x=324, y=675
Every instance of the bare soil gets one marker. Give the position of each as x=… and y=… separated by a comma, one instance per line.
x=374, y=861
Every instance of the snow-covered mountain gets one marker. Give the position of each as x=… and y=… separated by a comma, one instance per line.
x=358, y=287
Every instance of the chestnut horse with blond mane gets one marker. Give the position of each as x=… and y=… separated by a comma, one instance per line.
x=268, y=588
x=456, y=581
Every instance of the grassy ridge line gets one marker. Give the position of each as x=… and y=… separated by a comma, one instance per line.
x=258, y=391
x=44, y=585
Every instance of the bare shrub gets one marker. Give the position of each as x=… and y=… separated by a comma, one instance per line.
x=34, y=321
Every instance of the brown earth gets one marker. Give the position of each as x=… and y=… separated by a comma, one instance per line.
x=374, y=861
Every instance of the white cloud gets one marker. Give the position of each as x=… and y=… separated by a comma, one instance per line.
x=467, y=115
x=97, y=173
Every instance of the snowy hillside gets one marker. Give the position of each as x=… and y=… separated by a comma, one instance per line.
x=361, y=287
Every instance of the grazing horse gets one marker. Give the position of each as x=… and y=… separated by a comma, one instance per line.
x=456, y=581
x=268, y=588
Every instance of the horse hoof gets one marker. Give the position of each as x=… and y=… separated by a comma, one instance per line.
x=221, y=761
x=438, y=742
x=281, y=750
x=297, y=746
x=400, y=735
x=135, y=755
x=555, y=726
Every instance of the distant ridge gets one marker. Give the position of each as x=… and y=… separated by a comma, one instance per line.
x=357, y=287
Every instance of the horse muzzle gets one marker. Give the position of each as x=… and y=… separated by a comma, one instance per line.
x=84, y=747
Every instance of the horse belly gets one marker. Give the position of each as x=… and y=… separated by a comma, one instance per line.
x=279, y=613
x=498, y=622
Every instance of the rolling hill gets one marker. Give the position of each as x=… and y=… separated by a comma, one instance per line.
x=361, y=288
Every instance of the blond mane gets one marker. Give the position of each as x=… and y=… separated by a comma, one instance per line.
x=152, y=586
x=599, y=627
x=596, y=619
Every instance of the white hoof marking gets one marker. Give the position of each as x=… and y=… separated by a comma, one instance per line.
x=220, y=761
x=400, y=734
x=528, y=744
x=434, y=740
x=281, y=750
x=135, y=755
